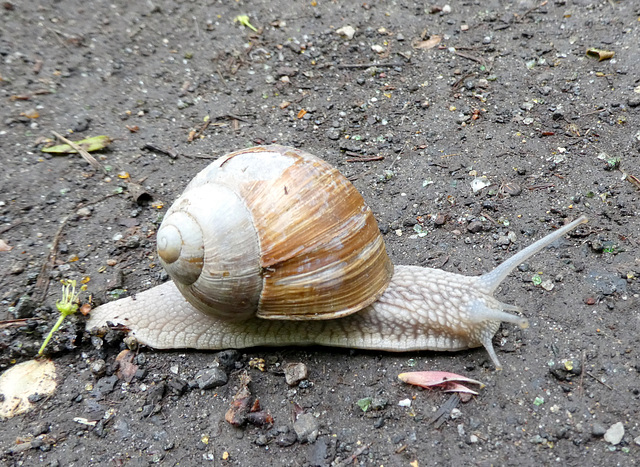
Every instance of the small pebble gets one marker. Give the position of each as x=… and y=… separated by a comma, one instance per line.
x=83, y=212
x=227, y=359
x=99, y=367
x=614, y=434
x=598, y=430
x=306, y=428
x=17, y=268
x=512, y=189
x=346, y=31
x=474, y=227
x=25, y=308
x=294, y=373
x=211, y=378
x=378, y=403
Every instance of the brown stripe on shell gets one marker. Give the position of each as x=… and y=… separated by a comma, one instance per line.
x=322, y=254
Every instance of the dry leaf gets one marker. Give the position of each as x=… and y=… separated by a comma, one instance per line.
x=4, y=246
x=94, y=143
x=600, y=54
x=428, y=44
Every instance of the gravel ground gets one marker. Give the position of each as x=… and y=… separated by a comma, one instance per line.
x=425, y=98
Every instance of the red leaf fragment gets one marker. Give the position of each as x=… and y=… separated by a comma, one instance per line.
x=448, y=382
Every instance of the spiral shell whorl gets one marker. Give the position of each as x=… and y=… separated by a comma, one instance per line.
x=208, y=245
x=181, y=247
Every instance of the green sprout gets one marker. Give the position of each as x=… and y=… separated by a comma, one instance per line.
x=68, y=305
x=244, y=20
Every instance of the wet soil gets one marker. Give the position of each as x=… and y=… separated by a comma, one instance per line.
x=508, y=96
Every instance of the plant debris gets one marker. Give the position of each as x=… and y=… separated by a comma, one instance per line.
x=95, y=143
x=244, y=408
x=600, y=54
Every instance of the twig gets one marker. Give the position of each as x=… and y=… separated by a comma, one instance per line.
x=531, y=10
x=592, y=112
x=9, y=227
x=471, y=57
x=202, y=129
x=540, y=187
x=443, y=413
x=85, y=155
x=628, y=177
x=368, y=65
x=366, y=159
x=14, y=322
x=42, y=284
x=598, y=380
x=153, y=147
x=353, y=456
x=484, y=213
x=581, y=386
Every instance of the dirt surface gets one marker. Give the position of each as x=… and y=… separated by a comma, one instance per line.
x=508, y=94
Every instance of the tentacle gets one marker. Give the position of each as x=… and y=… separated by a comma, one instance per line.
x=491, y=280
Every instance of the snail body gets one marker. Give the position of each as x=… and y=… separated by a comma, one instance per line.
x=271, y=246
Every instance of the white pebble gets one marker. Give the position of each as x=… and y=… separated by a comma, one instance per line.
x=615, y=433
x=405, y=403
x=346, y=31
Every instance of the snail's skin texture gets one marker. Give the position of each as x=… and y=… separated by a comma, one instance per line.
x=422, y=309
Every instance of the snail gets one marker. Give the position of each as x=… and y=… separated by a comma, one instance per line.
x=271, y=246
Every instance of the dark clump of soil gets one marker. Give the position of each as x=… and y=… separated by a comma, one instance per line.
x=506, y=100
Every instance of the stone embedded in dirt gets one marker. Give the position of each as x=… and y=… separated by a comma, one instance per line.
x=106, y=385
x=474, y=227
x=99, y=367
x=306, y=428
x=211, y=378
x=84, y=212
x=177, y=386
x=378, y=403
x=227, y=359
x=346, y=31
x=598, y=430
x=286, y=439
x=294, y=373
x=614, y=434
x=24, y=308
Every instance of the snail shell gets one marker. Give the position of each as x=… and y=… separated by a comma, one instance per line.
x=277, y=233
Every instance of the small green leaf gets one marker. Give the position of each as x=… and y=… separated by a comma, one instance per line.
x=538, y=401
x=95, y=143
x=536, y=279
x=365, y=403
